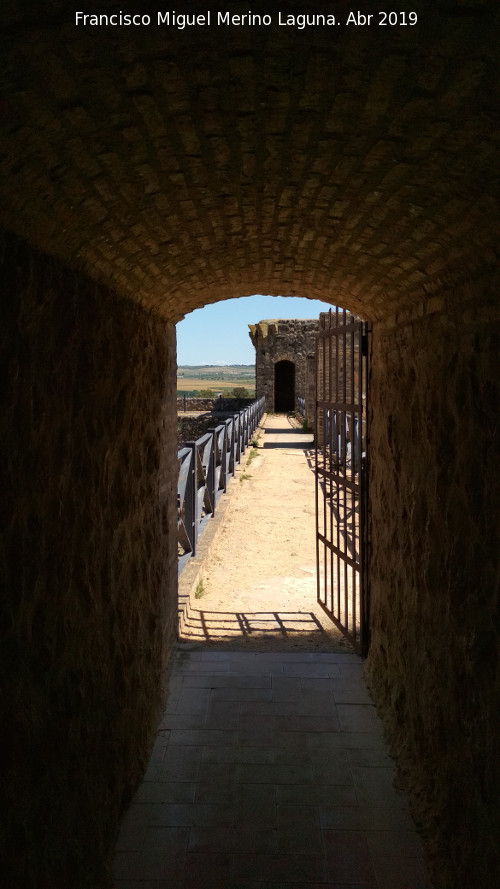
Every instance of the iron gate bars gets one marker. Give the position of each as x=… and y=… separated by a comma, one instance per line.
x=205, y=465
x=341, y=473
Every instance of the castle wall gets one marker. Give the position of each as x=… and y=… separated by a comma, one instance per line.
x=284, y=340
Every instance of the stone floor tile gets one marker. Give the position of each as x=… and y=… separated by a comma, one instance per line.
x=322, y=685
x=278, y=867
x=285, y=756
x=242, y=695
x=332, y=769
x=207, y=870
x=202, y=737
x=174, y=769
x=316, y=704
x=171, y=706
x=174, y=685
x=256, y=805
x=377, y=758
x=133, y=827
x=328, y=723
x=260, y=732
x=256, y=794
x=160, y=746
x=204, y=654
x=239, y=754
x=274, y=773
x=315, y=795
x=348, y=740
x=333, y=817
x=310, y=671
x=166, y=841
x=235, y=839
x=269, y=708
x=190, y=666
x=213, y=792
x=193, y=699
x=192, y=815
x=162, y=856
x=225, y=680
x=223, y=715
x=180, y=764
x=359, y=718
x=323, y=757
x=286, y=688
x=219, y=773
x=336, y=657
x=299, y=830
x=352, y=669
x=293, y=743
x=259, y=816
x=350, y=691
x=195, y=719
x=374, y=787
x=258, y=668
x=165, y=792
x=348, y=857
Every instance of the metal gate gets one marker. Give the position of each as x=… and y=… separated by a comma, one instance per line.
x=341, y=473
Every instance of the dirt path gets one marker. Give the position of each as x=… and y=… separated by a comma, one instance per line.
x=258, y=587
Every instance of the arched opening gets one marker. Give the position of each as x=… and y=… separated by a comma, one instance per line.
x=231, y=601
x=284, y=386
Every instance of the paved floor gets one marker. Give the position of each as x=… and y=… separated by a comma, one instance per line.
x=269, y=771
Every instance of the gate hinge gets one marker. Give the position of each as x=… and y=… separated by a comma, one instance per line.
x=364, y=344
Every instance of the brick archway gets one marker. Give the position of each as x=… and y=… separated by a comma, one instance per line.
x=292, y=162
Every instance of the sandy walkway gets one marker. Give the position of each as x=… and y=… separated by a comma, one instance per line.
x=259, y=585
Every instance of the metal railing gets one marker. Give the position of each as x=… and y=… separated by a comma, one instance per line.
x=205, y=466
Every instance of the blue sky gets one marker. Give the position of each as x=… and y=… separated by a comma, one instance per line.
x=218, y=334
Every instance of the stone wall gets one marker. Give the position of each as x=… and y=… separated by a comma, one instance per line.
x=89, y=551
x=195, y=404
x=191, y=428
x=283, y=340
x=435, y=618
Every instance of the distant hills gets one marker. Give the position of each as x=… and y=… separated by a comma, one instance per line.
x=214, y=371
x=205, y=378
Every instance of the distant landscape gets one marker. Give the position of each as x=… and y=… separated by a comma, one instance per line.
x=205, y=380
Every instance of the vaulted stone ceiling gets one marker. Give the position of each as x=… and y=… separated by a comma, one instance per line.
x=351, y=164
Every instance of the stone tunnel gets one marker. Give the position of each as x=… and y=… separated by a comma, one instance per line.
x=149, y=170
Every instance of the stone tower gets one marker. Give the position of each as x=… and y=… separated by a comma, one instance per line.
x=284, y=363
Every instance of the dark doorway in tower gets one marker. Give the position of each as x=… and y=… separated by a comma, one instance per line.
x=284, y=386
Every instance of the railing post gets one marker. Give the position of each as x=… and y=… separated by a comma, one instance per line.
x=199, y=493
x=211, y=471
x=191, y=490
